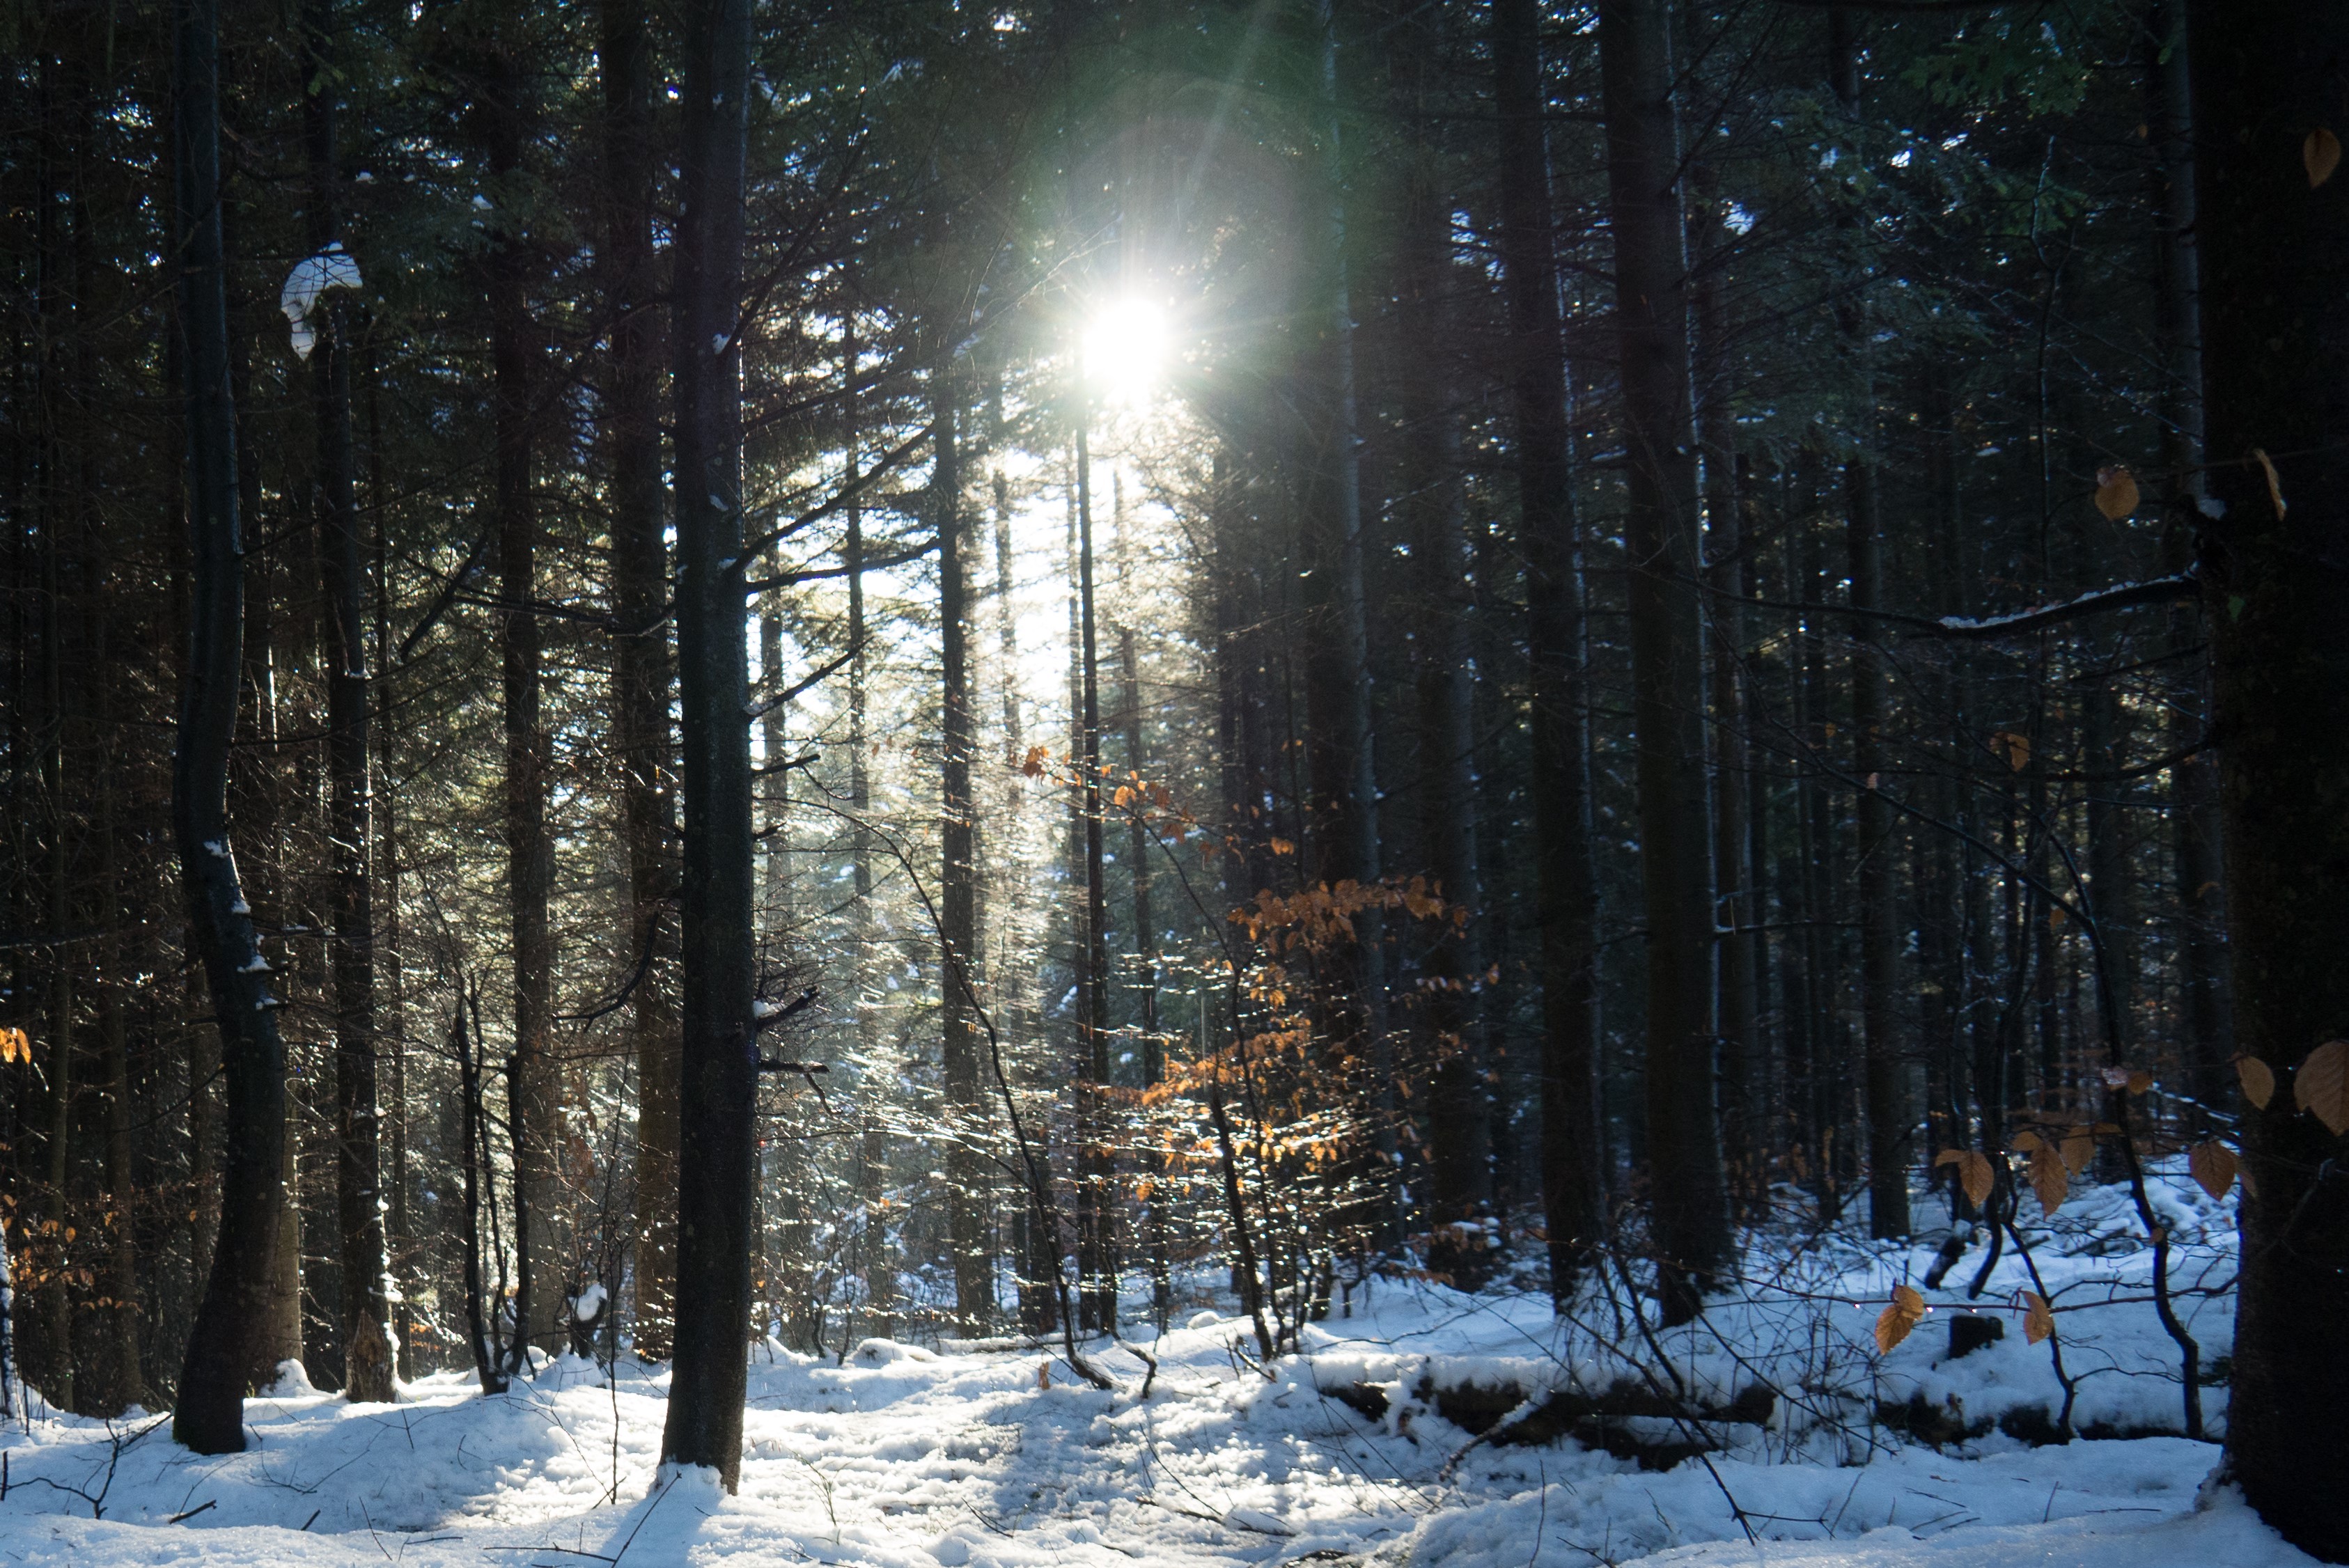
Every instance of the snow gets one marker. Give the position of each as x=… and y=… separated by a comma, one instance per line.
x=312, y=276
x=992, y=1454
x=589, y=1306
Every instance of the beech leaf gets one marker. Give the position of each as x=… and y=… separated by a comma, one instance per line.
x=1893, y=1324
x=2141, y=1082
x=2026, y=1141
x=2258, y=1079
x=2117, y=494
x=2038, y=1318
x=2079, y=1148
x=2319, y=154
x=2049, y=1179
x=1975, y=1174
x=2322, y=1084
x=2213, y=1166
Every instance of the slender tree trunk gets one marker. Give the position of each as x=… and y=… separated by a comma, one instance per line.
x=1344, y=818
x=967, y=1187
x=1890, y=1144
x=1691, y=1210
x=1737, y=899
x=872, y=1154
x=366, y=1310
x=1451, y=1027
x=530, y=849
x=1097, y=1268
x=720, y=1089
x=210, y=1416
x=2178, y=321
x=123, y=1381
x=1550, y=534
x=2276, y=378
x=641, y=676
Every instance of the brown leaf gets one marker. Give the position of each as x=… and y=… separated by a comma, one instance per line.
x=2258, y=1079
x=2038, y=1318
x=2139, y=1082
x=2079, y=1148
x=1893, y=1324
x=2049, y=1179
x=2117, y=494
x=2319, y=154
x=2026, y=1141
x=1975, y=1174
x=2213, y=1165
x=2016, y=749
x=1947, y=1157
x=2322, y=1084
x=2275, y=484
x=1032, y=764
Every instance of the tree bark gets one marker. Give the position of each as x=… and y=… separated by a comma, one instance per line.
x=1343, y=821
x=1097, y=1171
x=1890, y=1145
x=720, y=1089
x=209, y=1416
x=2276, y=381
x=967, y=1187
x=641, y=674
x=1549, y=537
x=366, y=1307
x=530, y=851
x=1690, y=1211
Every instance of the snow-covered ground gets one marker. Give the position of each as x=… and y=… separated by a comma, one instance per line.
x=909, y=1459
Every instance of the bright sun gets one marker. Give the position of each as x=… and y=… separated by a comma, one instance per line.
x=1124, y=350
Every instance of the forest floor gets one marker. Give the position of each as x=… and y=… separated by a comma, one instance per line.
x=904, y=1458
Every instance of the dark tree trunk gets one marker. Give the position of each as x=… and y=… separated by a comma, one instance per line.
x=365, y=1309
x=2178, y=321
x=1343, y=822
x=1549, y=535
x=209, y=1416
x=1877, y=856
x=2276, y=378
x=719, y=1089
x=1450, y=1032
x=1690, y=1219
x=530, y=849
x=640, y=663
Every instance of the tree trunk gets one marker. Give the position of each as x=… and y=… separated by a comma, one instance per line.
x=2178, y=322
x=720, y=1089
x=1890, y=1147
x=1343, y=821
x=530, y=851
x=1097, y=1171
x=1549, y=536
x=209, y=1416
x=366, y=1307
x=967, y=1186
x=1450, y=1032
x=1690, y=1221
x=2276, y=380
x=640, y=662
